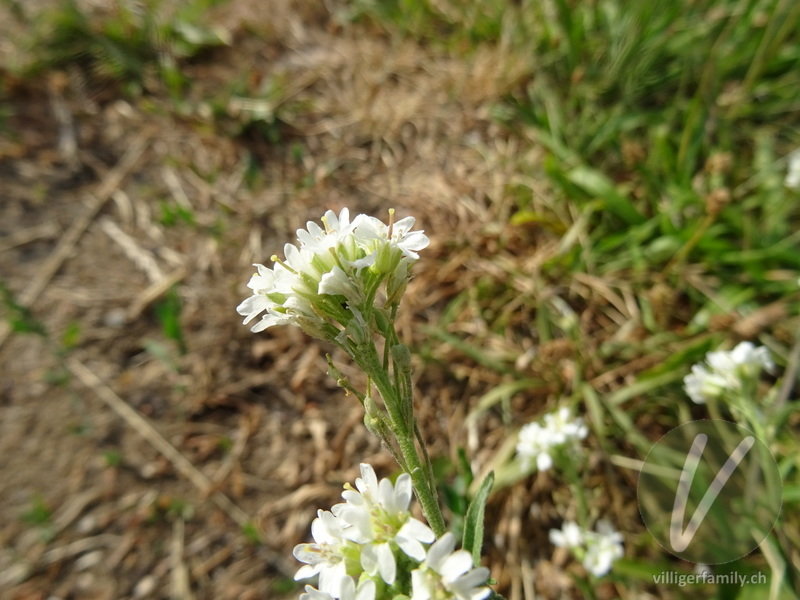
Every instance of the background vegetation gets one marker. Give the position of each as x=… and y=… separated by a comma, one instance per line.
x=604, y=186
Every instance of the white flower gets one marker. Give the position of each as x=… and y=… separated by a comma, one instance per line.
x=750, y=359
x=448, y=574
x=726, y=371
x=348, y=591
x=336, y=229
x=534, y=445
x=398, y=235
x=569, y=536
x=346, y=258
x=598, y=549
x=603, y=547
x=536, y=442
x=274, y=295
x=702, y=384
x=338, y=283
x=378, y=518
x=325, y=556
x=562, y=428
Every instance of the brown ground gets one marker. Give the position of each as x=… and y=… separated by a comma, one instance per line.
x=367, y=121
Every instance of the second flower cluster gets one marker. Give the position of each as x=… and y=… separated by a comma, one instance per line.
x=359, y=544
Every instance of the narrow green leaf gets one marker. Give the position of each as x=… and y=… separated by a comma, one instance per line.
x=598, y=184
x=473, y=526
x=791, y=494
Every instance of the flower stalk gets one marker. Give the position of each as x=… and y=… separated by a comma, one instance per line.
x=343, y=284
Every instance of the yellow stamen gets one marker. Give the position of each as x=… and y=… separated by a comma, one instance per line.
x=327, y=227
x=274, y=258
x=391, y=222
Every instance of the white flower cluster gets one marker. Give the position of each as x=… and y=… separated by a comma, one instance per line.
x=598, y=549
x=369, y=535
x=536, y=442
x=333, y=273
x=726, y=371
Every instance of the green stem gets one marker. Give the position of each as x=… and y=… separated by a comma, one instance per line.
x=370, y=362
x=425, y=454
x=577, y=487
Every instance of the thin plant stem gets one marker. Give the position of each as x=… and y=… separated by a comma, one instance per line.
x=421, y=479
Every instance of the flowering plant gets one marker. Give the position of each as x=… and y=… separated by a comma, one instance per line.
x=730, y=380
x=596, y=549
x=343, y=283
x=537, y=442
x=727, y=373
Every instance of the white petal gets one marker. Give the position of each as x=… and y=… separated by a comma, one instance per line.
x=369, y=481
x=371, y=228
x=305, y=572
x=348, y=588
x=455, y=565
x=478, y=576
x=557, y=538
x=369, y=559
x=544, y=461
x=366, y=590
x=265, y=322
x=417, y=530
x=360, y=530
x=403, y=492
x=410, y=547
x=313, y=593
x=403, y=226
x=480, y=593
x=386, y=496
x=330, y=579
x=353, y=497
x=440, y=550
x=386, y=563
x=420, y=585
x=253, y=306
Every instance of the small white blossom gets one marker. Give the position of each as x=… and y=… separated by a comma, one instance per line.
x=378, y=518
x=324, y=557
x=338, y=283
x=348, y=590
x=448, y=574
x=332, y=271
x=569, y=536
x=702, y=384
x=726, y=371
x=598, y=549
x=534, y=445
x=603, y=547
x=370, y=229
x=536, y=442
x=562, y=427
